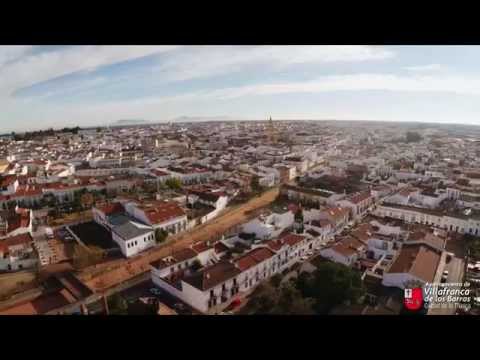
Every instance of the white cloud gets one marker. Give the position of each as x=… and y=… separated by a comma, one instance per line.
x=11, y=52
x=207, y=61
x=358, y=82
x=426, y=68
x=354, y=82
x=34, y=68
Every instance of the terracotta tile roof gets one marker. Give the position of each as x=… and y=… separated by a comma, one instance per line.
x=359, y=197
x=253, y=258
x=184, y=254
x=14, y=241
x=220, y=247
x=7, y=180
x=343, y=250
x=275, y=245
x=28, y=190
x=418, y=260
x=212, y=276
x=112, y=208
x=352, y=242
x=201, y=247
x=16, y=219
x=363, y=232
x=292, y=239
x=160, y=212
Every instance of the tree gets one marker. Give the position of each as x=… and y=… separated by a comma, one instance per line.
x=299, y=221
x=330, y=285
x=255, y=184
x=291, y=302
x=413, y=136
x=86, y=200
x=174, y=183
x=276, y=280
x=196, y=265
x=263, y=300
x=117, y=305
x=160, y=235
x=286, y=299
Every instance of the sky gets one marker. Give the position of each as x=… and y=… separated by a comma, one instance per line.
x=57, y=86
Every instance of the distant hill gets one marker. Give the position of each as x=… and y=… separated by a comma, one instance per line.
x=129, y=122
x=201, y=118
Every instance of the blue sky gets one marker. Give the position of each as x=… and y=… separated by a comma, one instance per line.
x=55, y=86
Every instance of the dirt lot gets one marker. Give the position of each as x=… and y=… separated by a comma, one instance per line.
x=69, y=219
x=102, y=277
x=12, y=283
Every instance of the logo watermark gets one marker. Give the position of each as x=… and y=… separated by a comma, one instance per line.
x=439, y=296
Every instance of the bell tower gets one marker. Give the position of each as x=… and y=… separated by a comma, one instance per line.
x=272, y=134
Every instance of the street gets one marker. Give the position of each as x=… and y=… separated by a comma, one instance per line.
x=455, y=275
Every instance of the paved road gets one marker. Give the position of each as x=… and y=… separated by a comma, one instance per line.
x=455, y=275
x=455, y=270
x=122, y=270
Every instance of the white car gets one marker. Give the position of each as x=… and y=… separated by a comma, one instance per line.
x=445, y=273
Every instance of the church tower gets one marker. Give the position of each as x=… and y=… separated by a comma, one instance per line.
x=272, y=134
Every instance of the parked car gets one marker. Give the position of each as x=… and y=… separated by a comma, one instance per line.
x=155, y=291
x=179, y=306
